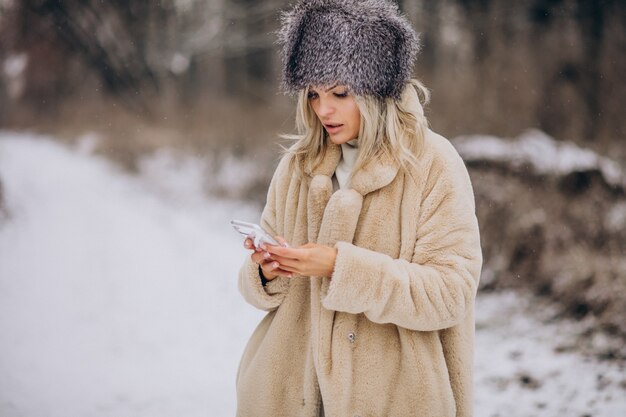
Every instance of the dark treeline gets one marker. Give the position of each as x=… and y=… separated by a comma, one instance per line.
x=494, y=66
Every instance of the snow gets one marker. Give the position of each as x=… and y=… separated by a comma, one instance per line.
x=520, y=371
x=118, y=297
x=14, y=67
x=541, y=152
x=15, y=64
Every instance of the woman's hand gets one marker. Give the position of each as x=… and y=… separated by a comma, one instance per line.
x=311, y=259
x=271, y=268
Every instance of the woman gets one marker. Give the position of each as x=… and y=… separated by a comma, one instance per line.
x=371, y=307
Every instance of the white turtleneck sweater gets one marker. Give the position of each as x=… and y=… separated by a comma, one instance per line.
x=349, y=153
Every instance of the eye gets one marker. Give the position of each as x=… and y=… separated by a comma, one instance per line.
x=342, y=95
x=311, y=95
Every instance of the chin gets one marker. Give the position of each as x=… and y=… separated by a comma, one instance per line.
x=338, y=140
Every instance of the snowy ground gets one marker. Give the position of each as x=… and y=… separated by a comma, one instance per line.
x=118, y=298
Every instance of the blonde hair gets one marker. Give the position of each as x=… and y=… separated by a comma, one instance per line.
x=394, y=128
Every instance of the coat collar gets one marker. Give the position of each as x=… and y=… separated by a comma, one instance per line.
x=333, y=216
x=373, y=176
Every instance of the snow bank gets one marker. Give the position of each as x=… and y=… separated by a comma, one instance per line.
x=541, y=153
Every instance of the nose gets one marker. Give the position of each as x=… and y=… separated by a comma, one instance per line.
x=326, y=108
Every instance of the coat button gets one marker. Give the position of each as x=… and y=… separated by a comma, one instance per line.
x=351, y=337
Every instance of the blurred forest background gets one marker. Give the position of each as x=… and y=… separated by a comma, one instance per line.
x=183, y=72
x=131, y=131
x=202, y=76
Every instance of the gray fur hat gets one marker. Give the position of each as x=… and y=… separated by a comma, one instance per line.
x=365, y=44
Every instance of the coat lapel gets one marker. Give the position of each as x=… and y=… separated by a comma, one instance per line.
x=333, y=217
x=320, y=190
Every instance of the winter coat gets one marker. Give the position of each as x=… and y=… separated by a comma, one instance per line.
x=391, y=332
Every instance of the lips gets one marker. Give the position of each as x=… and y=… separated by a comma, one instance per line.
x=331, y=125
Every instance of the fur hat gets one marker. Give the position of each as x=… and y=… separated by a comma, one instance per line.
x=365, y=44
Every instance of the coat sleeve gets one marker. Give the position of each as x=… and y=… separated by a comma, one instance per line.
x=266, y=298
x=438, y=287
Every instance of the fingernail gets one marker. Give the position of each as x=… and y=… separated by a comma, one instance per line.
x=275, y=265
x=266, y=255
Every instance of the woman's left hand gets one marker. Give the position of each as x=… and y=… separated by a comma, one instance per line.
x=311, y=259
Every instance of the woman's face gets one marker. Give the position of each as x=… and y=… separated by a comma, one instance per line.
x=337, y=110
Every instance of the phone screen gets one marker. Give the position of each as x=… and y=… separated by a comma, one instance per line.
x=255, y=231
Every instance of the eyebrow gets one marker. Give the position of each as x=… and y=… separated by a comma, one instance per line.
x=312, y=89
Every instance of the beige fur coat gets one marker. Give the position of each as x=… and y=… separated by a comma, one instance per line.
x=391, y=332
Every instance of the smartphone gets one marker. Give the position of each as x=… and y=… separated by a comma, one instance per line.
x=255, y=232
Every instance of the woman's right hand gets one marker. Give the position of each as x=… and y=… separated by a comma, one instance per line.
x=271, y=268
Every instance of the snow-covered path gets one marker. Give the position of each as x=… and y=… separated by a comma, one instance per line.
x=118, y=297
